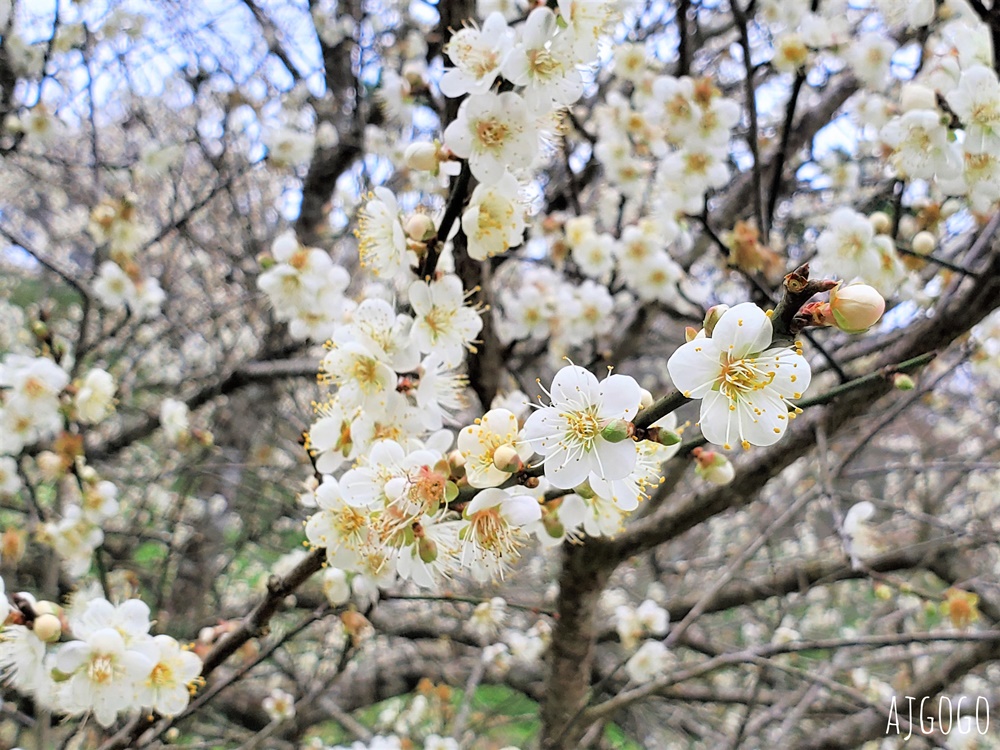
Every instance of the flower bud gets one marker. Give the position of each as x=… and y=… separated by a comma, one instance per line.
x=713, y=467
x=265, y=261
x=667, y=437
x=48, y=628
x=908, y=226
x=45, y=607
x=923, y=243
x=553, y=526
x=917, y=96
x=690, y=334
x=427, y=549
x=903, y=382
x=856, y=308
x=880, y=222
x=883, y=592
x=618, y=430
x=713, y=316
x=421, y=156
x=645, y=398
x=420, y=227
x=506, y=458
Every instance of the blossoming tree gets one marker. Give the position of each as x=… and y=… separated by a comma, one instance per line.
x=655, y=346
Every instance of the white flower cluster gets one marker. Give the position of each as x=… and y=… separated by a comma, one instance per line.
x=110, y=666
x=30, y=406
x=545, y=306
x=306, y=289
x=400, y=509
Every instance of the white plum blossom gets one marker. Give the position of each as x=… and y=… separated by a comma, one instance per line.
x=648, y=663
x=478, y=55
x=22, y=663
x=342, y=529
x=493, y=530
x=479, y=443
x=871, y=56
x=859, y=538
x=174, y=419
x=493, y=132
x=166, y=689
x=104, y=673
x=95, y=397
x=287, y=147
x=376, y=326
x=279, y=705
x=443, y=323
x=570, y=432
x=10, y=483
x=544, y=63
x=920, y=144
x=976, y=101
x=743, y=381
x=363, y=379
x=336, y=586
x=381, y=239
x=493, y=222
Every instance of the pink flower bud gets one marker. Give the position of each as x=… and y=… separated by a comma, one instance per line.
x=713, y=467
x=856, y=308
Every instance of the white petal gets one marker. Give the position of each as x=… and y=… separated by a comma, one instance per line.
x=694, y=368
x=718, y=423
x=619, y=397
x=616, y=460
x=521, y=510
x=574, y=385
x=742, y=330
x=565, y=472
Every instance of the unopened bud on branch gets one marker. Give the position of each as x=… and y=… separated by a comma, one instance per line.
x=923, y=243
x=420, y=227
x=713, y=467
x=856, y=308
x=618, y=430
x=421, y=157
x=47, y=628
x=506, y=458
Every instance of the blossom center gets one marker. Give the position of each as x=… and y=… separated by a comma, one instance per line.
x=492, y=133
x=161, y=675
x=582, y=427
x=101, y=669
x=742, y=376
x=491, y=532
